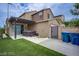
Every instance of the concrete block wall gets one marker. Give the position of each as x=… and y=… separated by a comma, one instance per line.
x=67, y=29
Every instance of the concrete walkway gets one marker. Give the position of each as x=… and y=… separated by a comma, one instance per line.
x=62, y=47
x=32, y=39
x=35, y=39
x=54, y=44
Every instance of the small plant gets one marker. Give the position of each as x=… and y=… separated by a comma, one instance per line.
x=2, y=31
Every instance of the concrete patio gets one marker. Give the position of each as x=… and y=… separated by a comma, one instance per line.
x=54, y=44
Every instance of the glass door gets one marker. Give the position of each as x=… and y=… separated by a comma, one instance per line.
x=18, y=29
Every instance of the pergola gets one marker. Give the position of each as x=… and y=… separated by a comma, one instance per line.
x=19, y=20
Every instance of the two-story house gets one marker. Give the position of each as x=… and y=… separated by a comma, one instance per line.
x=41, y=23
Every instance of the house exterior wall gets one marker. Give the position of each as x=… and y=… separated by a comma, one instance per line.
x=42, y=29
x=59, y=24
x=25, y=27
x=51, y=22
x=46, y=23
x=47, y=13
x=8, y=27
x=28, y=15
x=36, y=17
x=30, y=27
x=42, y=26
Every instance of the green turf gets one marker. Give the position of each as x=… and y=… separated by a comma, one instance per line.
x=23, y=47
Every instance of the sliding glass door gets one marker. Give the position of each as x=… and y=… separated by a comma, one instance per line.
x=18, y=29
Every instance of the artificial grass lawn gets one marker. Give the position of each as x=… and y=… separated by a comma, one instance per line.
x=24, y=48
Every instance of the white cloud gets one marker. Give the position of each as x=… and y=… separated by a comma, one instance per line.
x=39, y=6
x=17, y=9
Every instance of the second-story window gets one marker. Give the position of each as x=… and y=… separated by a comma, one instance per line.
x=48, y=16
x=40, y=14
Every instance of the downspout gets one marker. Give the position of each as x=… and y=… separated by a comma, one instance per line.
x=7, y=25
x=15, y=29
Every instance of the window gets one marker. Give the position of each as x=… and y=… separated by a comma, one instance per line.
x=41, y=15
x=49, y=16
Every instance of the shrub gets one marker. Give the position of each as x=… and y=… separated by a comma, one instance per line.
x=1, y=32
x=72, y=23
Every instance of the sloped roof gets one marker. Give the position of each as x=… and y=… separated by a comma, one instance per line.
x=43, y=10
x=27, y=13
x=58, y=16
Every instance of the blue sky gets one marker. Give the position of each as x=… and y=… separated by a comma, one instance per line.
x=18, y=8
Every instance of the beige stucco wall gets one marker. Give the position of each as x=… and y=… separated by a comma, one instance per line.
x=43, y=26
x=52, y=22
x=42, y=29
x=8, y=28
x=11, y=31
x=46, y=12
x=67, y=29
x=25, y=27
x=44, y=17
x=28, y=15
x=36, y=17
x=59, y=31
x=71, y=29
